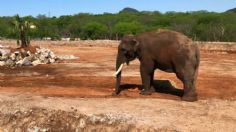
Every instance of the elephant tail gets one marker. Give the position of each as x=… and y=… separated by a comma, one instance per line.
x=197, y=63
x=197, y=55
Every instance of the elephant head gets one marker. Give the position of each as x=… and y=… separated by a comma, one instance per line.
x=127, y=51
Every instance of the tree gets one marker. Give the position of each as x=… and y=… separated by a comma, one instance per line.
x=48, y=27
x=123, y=28
x=94, y=30
x=22, y=28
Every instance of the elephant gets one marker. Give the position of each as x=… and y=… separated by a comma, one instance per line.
x=166, y=50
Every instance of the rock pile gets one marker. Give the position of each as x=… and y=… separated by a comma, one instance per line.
x=26, y=58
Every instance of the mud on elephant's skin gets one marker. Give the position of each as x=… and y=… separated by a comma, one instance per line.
x=166, y=50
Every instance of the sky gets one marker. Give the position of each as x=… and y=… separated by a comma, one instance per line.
x=71, y=7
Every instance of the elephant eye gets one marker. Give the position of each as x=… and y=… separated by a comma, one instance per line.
x=123, y=50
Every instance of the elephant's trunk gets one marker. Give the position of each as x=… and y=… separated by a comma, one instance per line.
x=120, y=60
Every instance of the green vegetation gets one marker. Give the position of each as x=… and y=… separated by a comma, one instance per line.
x=22, y=29
x=199, y=25
x=94, y=30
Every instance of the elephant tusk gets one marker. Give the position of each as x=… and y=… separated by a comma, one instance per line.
x=119, y=70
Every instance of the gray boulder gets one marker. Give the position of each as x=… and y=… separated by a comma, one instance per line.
x=24, y=62
x=36, y=62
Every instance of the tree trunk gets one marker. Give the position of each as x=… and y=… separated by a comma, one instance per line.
x=24, y=42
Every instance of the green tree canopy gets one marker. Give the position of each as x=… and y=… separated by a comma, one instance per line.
x=123, y=28
x=199, y=25
x=94, y=30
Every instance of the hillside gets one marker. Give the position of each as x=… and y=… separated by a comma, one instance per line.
x=232, y=10
x=129, y=10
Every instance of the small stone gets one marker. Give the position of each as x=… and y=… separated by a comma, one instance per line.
x=32, y=58
x=82, y=123
x=17, y=53
x=18, y=57
x=26, y=61
x=52, y=55
x=51, y=60
x=17, y=111
x=110, y=122
x=9, y=62
x=31, y=110
x=13, y=57
x=19, y=63
x=5, y=57
x=36, y=62
x=28, y=53
x=44, y=130
x=5, y=51
x=2, y=63
x=35, y=129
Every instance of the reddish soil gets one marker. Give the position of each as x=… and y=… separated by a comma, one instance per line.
x=76, y=95
x=91, y=76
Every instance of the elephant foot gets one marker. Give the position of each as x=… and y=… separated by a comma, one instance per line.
x=190, y=97
x=147, y=91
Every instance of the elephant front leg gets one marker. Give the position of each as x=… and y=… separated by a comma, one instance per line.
x=189, y=91
x=147, y=76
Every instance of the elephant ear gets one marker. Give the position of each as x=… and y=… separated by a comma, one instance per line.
x=135, y=43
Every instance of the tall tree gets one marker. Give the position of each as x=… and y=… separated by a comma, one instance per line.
x=22, y=29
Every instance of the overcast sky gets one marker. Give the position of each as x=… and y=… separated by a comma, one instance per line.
x=71, y=7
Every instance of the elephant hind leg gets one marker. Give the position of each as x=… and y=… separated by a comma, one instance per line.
x=188, y=76
x=152, y=80
x=189, y=91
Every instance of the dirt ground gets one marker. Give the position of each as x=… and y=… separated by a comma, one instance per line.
x=30, y=97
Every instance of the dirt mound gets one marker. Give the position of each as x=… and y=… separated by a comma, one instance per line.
x=26, y=112
x=42, y=120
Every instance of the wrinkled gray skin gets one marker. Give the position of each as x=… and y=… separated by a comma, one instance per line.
x=165, y=50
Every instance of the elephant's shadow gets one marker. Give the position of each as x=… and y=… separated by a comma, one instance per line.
x=161, y=86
